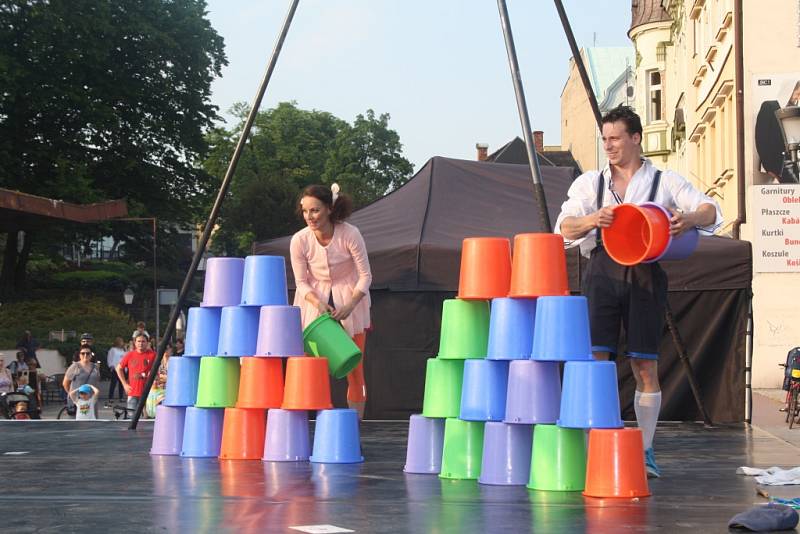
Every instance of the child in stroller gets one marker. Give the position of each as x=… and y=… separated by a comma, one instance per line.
x=17, y=405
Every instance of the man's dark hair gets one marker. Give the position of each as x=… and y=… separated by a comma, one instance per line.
x=633, y=124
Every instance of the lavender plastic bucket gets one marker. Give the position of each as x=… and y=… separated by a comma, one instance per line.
x=223, y=284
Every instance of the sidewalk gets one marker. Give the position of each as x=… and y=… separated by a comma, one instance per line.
x=766, y=403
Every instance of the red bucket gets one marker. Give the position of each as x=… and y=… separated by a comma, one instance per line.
x=637, y=234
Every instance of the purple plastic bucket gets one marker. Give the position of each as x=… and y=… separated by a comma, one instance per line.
x=506, y=454
x=280, y=332
x=168, y=430
x=223, y=285
x=287, y=436
x=534, y=392
x=425, y=442
x=264, y=281
x=202, y=332
x=238, y=331
x=511, y=329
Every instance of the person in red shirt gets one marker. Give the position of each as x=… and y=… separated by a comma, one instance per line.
x=138, y=363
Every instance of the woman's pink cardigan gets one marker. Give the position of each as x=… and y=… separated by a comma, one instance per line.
x=335, y=269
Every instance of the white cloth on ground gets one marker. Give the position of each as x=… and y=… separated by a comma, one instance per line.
x=774, y=476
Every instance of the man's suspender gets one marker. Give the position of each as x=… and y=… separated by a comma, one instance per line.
x=601, y=184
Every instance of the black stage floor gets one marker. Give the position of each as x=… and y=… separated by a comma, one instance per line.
x=99, y=477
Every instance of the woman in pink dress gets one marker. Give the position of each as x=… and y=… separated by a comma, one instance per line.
x=332, y=274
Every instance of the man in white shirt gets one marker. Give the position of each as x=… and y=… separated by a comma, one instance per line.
x=634, y=296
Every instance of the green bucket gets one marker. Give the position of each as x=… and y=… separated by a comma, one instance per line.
x=463, y=449
x=326, y=337
x=443, y=388
x=218, y=383
x=465, y=329
x=558, y=459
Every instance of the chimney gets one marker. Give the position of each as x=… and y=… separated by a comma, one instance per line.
x=483, y=151
x=538, y=140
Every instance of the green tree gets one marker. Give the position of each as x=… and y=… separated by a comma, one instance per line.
x=106, y=99
x=367, y=159
x=288, y=149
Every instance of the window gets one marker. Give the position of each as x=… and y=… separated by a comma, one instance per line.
x=661, y=52
x=653, y=96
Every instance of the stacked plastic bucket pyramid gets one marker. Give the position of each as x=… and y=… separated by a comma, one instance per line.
x=495, y=408
x=228, y=397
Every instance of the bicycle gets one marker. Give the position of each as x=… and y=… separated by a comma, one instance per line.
x=792, y=407
x=119, y=410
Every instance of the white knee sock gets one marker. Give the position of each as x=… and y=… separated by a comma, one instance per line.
x=647, y=406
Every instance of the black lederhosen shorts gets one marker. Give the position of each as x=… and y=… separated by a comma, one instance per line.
x=636, y=296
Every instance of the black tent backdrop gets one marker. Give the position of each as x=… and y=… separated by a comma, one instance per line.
x=414, y=237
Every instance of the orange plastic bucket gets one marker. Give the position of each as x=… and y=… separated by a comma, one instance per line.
x=615, y=464
x=260, y=383
x=638, y=233
x=485, y=268
x=243, y=434
x=307, y=386
x=539, y=266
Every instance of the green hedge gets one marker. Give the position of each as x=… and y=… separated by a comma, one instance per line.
x=69, y=310
x=95, y=280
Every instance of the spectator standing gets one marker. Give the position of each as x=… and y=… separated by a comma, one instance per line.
x=82, y=372
x=140, y=330
x=18, y=365
x=159, y=389
x=114, y=356
x=87, y=341
x=138, y=363
x=28, y=344
x=6, y=380
x=179, y=347
x=36, y=378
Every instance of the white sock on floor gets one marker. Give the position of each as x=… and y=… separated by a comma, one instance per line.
x=647, y=406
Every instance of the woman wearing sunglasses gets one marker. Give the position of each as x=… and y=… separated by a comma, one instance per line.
x=84, y=371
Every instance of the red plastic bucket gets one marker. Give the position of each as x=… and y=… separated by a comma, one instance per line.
x=638, y=234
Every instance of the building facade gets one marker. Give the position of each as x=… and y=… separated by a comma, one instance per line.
x=611, y=73
x=710, y=74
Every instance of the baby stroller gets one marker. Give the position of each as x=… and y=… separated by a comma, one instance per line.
x=18, y=405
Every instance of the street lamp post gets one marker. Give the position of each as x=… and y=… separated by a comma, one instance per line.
x=127, y=296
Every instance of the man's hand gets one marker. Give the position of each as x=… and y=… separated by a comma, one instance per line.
x=603, y=217
x=680, y=222
x=577, y=227
x=127, y=388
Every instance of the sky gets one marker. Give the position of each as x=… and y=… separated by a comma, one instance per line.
x=438, y=67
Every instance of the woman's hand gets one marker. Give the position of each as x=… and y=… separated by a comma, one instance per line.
x=324, y=307
x=342, y=313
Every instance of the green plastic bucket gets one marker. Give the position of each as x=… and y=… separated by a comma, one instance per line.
x=463, y=449
x=558, y=459
x=465, y=329
x=218, y=383
x=442, y=388
x=326, y=337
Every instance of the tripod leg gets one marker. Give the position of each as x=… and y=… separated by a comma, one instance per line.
x=679, y=346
